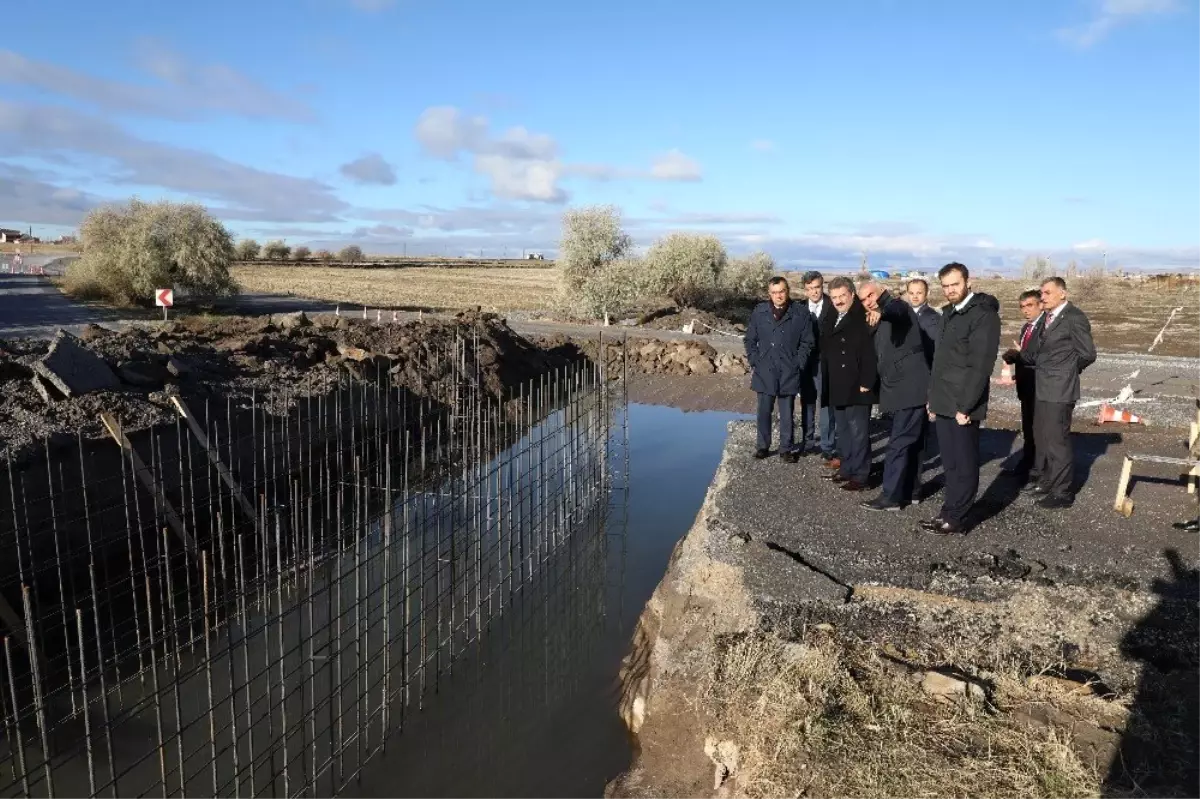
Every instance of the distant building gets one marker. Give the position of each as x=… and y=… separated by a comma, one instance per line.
x=8, y=236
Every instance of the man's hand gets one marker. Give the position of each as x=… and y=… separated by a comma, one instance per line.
x=1011, y=356
x=929, y=413
x=862, y=390
x=873, y=318
x=962, y=418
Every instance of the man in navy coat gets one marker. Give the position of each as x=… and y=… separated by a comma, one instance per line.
x=779, y=341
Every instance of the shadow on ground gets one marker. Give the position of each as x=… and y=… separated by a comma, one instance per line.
x=1160, y=748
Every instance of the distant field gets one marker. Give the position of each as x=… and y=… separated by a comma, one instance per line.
x=433, y=288
x=41, y=249
x=390, y=262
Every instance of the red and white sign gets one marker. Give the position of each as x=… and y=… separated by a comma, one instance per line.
x=164, y=298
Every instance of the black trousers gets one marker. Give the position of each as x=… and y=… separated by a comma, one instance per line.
x=787, y=408
x=959, y=445
x=902, y=460
x=1029, y=454
x=1052, y=431
x=854, y=441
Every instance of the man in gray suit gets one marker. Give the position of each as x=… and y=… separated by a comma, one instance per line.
x=1059, y=349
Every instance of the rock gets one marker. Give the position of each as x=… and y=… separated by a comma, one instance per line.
x=178, y=367
x=724, y=755
x=353, y=353
x=944, y=687
x=47, y=390
x=739, y=539
x=74, y=369
x=701, y=365
x=290, y=321
x=165, y=348
x=650, y=351
x=92, y=332
x=141, y=374
x=736, y=368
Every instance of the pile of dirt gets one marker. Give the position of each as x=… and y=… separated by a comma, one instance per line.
x=694, y=319
x=55, y=391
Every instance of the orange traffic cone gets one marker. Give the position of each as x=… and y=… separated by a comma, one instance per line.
x=1109, y=414
x=1006, y=375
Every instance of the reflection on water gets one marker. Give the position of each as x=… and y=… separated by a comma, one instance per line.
x=531, y=709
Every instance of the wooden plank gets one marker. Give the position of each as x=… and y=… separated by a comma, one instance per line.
x=139, y=468
x=1123, y=486
x=215, y=459
x=1190, y=462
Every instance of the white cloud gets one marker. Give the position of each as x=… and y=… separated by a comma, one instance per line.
x=1112, y=14
x=762, y=145
x=523, y=165
x=181, y=90
x=1091, y=245
x=243, y=192
x=674, y=165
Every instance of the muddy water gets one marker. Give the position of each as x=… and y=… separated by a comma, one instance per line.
x=531, y=711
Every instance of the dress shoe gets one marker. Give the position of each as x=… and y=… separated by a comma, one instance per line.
x=941, y=527
x=1188, y=527
x=759, y=454
x=933, y=524
x=1033, y=488
x=882, y=503
x=834, y=477
x=1055, y=502
x=790, y=457
x=853, y=485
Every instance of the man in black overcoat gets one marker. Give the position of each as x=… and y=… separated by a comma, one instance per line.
x=905, y=340
x=779, y=342
x=848, y=355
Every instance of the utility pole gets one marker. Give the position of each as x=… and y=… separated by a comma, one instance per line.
x=1104, y=255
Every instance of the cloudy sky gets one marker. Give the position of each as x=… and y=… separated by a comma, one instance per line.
x=917, y=131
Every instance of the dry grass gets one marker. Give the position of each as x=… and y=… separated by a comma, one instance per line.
x=41, y=249
x=416, y=287
x=820, y=719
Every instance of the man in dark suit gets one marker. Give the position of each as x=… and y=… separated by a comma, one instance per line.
x=905, y=339
x=778, y=341
x=1059, y=349
x=959, y=385
x=818, y=429
x=1029, y=467
x=849, y=361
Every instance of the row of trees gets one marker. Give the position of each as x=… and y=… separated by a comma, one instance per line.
x=251, y=250
x=601, y=277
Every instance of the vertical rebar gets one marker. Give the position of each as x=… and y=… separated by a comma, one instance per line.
x=87, y=716
x=38, y=704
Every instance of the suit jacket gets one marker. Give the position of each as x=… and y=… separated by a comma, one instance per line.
x=849, y=358
x=808, y=380
x=904, y=345
x=1025, y=374
x=1059, y=352
x=778, y=351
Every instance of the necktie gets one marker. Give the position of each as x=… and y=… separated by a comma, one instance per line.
x=1025, y=336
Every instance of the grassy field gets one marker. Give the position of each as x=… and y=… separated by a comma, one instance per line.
x=1125, y=316
x=41, y=249
x=411, y=287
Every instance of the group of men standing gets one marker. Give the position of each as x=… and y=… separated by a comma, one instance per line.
x=846, y=350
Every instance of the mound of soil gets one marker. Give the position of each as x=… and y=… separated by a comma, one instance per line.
x=277, y=358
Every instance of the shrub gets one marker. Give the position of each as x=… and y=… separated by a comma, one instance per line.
x=276, y=250
x=686, y=267
x=1088, y=286
x=324, y=256
x=747, y=277
x=301, y=253
x=351, y=255
x=591, y=261
x=130, y=250
x=248, y=250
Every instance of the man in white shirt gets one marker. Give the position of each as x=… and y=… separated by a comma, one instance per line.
x=813, y=389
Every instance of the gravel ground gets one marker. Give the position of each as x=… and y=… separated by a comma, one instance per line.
x=824, y=527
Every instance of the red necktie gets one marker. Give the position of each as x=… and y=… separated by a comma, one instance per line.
x=1028, y=333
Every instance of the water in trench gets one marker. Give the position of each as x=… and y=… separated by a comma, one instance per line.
x=536, y=714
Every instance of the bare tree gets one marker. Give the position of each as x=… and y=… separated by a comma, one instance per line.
x=248, y=250
x=131, y=250
x=301, y=253
x=324, y=256
x=276, y=250
x=747, y=277
x=351, y=255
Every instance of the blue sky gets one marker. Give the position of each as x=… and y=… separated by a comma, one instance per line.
x=918, y=132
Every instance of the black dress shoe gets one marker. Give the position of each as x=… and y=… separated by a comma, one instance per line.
x=1033, y=488
x=944, y=528
x=761, y=453
x=853, y=485
x=933, y=524
x=1188, y=527
x=1053, y=502
x=881, y=503
x=789, y=457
